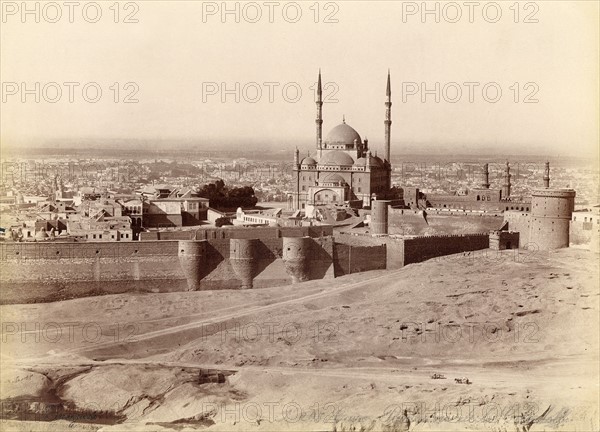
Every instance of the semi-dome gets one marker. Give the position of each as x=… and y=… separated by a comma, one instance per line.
x=342, y=134
x=308, y=161
x=334, y=178
x=375, y=161
x=336, y=158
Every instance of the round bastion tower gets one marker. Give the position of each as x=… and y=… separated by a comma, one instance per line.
x=379, y=217
x=551, y=211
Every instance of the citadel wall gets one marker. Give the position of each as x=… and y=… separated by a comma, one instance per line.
x=580, y=232
x=551, y=211
x=35, y=272
x=350, y=259
x=412, y=222
x=519, y=221
x=239, y=232
x=419, y=249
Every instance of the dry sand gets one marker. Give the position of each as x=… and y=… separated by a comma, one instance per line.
x=354, y=353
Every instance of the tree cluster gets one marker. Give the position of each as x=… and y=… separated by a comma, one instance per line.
x=224, y=197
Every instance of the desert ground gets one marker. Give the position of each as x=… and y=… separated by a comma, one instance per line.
x=480, y=341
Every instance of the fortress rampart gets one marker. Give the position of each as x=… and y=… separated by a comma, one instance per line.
x=379, y=217
x=547, y=226
x=419, y=249
x=239, y=232
x=296, y=257
x=37, y=272
x=443, y=222
x=551, y=211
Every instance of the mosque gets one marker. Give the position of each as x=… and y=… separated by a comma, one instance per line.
x=342, y=170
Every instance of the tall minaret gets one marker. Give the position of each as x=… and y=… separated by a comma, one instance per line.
x=547, y=175
x=485, y=178
x=319, y=120
x=506, y=187
x=388, y=117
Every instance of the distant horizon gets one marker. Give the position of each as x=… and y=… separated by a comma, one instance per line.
x=176, y=76
x=149, y=150
x=288, y=145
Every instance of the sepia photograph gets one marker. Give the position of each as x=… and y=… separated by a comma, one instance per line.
x=322, y=216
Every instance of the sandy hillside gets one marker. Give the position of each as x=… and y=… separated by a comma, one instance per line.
x=345, y=354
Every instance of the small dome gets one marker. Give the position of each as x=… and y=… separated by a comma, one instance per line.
x=336, y=158
x=360, y=162
x=41, y=234
x=308, y=161
x=342, y=134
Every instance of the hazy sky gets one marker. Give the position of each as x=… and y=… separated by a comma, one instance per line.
x=175, y=52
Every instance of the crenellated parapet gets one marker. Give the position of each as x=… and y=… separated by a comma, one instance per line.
x=447, y=236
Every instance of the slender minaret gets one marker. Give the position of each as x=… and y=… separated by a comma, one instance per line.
x=485, y=178
x=319, y=120
x=388, y=117
x=506, y=187
x=547, y=175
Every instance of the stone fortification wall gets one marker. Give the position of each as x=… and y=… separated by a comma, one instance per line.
x=34, y=272
x=354, y=259
x=580, y=233
x=414, y=222
x=419, y=249
x=519, y=222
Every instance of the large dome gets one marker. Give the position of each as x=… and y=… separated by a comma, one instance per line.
x=342, y=134
x=334, y=157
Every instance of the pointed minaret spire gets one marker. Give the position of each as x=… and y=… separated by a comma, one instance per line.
x=344, y=118
x=388, y=117
x=485, y=178
x=319, y=120
x=319, y=87
x=507, y=185
x=388, y=91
